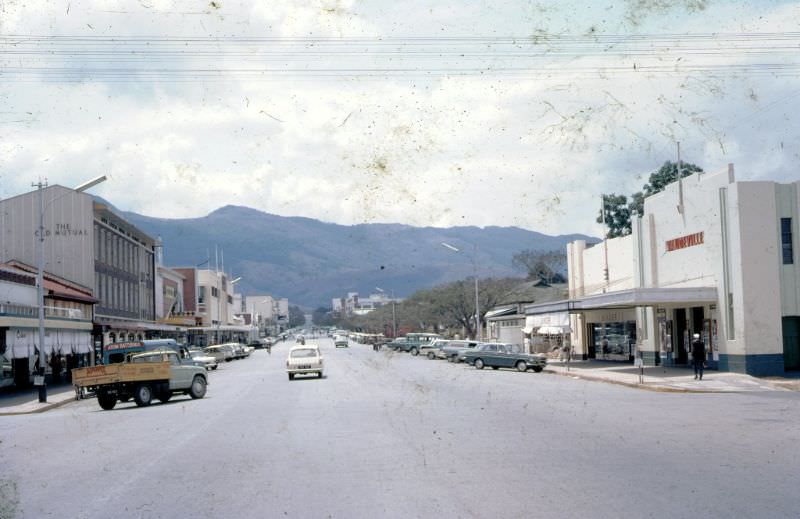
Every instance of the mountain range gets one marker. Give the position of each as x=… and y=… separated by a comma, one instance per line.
x=311, y=262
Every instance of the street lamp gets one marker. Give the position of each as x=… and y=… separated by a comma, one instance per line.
x=40, y=186
x=394, y=315
x=475, y=274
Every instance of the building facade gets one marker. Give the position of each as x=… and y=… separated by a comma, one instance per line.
x=709, y=255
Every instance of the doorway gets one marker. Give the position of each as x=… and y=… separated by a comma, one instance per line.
x=680, y=337
x=791, y=343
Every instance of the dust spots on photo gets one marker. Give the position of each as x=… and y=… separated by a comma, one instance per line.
x=185, y=174
x=214, y=4
x=638, y=11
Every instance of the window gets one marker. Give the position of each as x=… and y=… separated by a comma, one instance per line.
x=201, y=295
x=786, y=241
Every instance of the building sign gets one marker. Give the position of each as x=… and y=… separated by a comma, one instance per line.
x=690, y=240
x=62, y=229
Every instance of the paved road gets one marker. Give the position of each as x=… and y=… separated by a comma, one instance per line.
x=388, y=435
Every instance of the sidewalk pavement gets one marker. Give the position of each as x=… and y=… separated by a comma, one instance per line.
x=27, y=401
x=668, y=379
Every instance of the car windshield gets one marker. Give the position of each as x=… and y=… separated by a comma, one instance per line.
x=305, y=352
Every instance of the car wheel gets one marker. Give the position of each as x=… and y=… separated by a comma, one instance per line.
x=453, y=358
x=537, y=369
x=107, y=401
x=214, y=367
x=431, y=356
x=291, y=376
x=495, y=367
x=143, y=395
x=414, y=352
x=521, y=366
x=479, y=363
x=198, y=389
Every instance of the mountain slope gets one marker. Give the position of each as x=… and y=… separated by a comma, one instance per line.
x=311, y=262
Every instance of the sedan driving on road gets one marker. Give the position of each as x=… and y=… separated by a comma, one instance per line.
x=499, y=355
x=303, y=360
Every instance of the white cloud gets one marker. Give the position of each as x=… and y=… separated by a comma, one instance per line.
x=532, y=152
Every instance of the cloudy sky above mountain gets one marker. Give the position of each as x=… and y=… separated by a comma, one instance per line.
x=472, y=113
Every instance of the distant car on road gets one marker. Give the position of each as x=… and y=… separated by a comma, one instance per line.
x=340, y=341
x=430, y=350
x=204, y=359
x=222, y=352
x=415, y=341
x=303, y=360
x=500, y=355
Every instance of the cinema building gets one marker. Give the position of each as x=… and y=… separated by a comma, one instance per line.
x=710, y=255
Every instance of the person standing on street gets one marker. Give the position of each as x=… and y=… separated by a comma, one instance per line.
x=698, y=356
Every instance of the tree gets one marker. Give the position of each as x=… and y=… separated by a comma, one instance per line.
x=618, y=211
x=617, y=215
x=660, y=179
x=296, y=317
x=545, y=266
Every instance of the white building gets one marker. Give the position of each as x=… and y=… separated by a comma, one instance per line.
x=709, y=255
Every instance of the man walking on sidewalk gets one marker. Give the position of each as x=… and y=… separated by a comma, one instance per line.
x=698, y=355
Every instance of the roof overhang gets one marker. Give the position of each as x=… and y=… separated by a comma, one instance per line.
x=632, y=298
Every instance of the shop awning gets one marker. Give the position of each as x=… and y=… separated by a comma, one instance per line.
x=658, y=296
x=497, y=312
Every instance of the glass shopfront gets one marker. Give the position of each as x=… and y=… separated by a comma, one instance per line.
x=614, y=340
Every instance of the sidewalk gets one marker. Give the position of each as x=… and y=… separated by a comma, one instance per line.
x=667, y=379
x=27, y=401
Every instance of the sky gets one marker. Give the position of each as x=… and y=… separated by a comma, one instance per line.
x=507, y=113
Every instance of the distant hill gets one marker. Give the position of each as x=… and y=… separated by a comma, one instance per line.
x=310, y=261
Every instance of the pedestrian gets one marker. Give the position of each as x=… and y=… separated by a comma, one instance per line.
x=698, y=356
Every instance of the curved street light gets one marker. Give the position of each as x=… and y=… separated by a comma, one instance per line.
x=475, y=275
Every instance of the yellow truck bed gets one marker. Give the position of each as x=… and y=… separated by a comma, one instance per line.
x=115, y=373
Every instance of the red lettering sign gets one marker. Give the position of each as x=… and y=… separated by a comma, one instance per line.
x=690, y=240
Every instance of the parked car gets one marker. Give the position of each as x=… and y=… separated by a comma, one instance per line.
x=303, y=360
x=206, y=360
x=340, y=341
x=221, y=352
x=430, y=349
x=394, y=344
x=453, y=348
x=415, y=341
x=500, y=355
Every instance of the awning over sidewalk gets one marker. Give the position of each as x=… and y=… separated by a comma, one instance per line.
x=635, y=297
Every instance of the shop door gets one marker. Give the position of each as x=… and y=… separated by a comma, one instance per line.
x=681, y=354
x=791, y=343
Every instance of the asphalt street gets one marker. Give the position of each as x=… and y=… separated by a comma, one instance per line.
x=390, y=435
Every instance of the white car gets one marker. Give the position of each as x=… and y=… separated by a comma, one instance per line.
x=304, y=359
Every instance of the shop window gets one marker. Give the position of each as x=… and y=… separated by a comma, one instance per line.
x=786, y=241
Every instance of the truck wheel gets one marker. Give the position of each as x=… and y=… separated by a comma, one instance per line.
x=106, y=400
x=479, y=363
x=521, y=366
x=143, y=395
x=414, y=351
x=537, y=369
x=198, y=389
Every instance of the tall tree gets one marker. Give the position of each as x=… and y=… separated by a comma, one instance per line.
x=617, y=215
x=618, y=211
x=659, y=179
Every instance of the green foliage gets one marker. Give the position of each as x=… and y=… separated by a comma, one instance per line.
x=617, y=215
x=618, y=211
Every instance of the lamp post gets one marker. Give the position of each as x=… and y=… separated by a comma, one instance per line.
x=394, y=315
x=40, y=186
x=475, y=274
